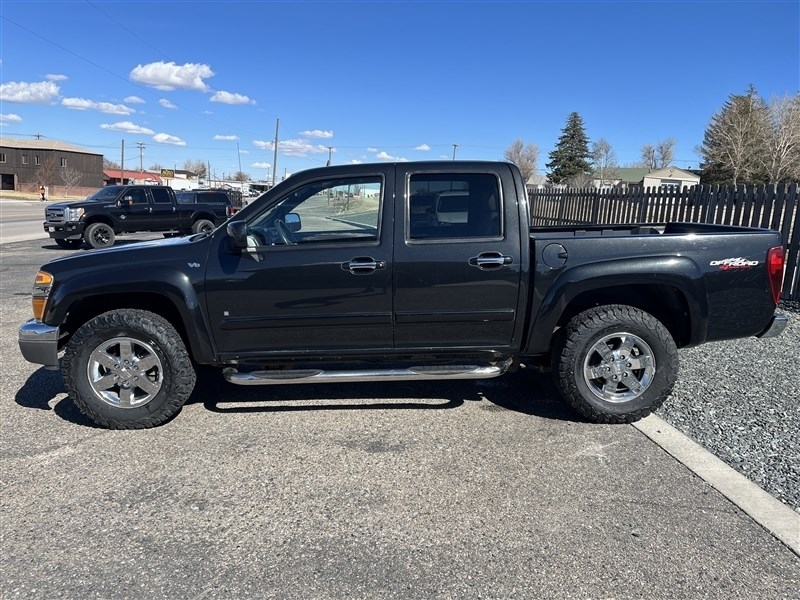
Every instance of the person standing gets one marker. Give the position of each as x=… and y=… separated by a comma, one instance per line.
x=42, y=192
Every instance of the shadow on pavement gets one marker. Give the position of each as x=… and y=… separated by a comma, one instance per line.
x=524, y=392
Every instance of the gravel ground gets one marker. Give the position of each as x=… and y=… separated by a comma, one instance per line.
x=740, y=399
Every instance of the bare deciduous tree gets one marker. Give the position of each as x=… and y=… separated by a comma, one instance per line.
x=648, y=156
x=197, y=167
x=46, y=173
x=525, y=157
x=241, y=176
x=658, y=156
x=781, y=160
x=604, y=161
x=71, y=177
x=665, y=153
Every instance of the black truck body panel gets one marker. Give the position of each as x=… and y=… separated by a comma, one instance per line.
x=385, y=294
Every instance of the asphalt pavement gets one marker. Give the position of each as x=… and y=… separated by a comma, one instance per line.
x=475, y=489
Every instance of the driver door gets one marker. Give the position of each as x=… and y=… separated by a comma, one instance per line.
x=317, y=273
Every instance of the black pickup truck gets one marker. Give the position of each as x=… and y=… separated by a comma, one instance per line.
x=398, y=272
x=120, y=209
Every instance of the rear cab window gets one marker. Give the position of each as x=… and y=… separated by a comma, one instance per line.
x=445, y=206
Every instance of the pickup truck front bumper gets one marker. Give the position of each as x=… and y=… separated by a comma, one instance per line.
x=63, y=231
x=38, y=343
x=775, y=327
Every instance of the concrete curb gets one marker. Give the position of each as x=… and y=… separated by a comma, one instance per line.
x=777, y=518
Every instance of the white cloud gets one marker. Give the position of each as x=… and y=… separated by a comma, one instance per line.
x=169, y=76
x=167, y=104
x=127, y=127
x=10, y=118
x=261, y=165
x=372, y=149
x=423, y=147
x=230, y=98
x=318, y=133
x=104, y=107
x=300, y=148
x=165, y=138
x=55, y=77
x=226, y=138
x=355, y=161
x=43, y=92
x=387, y=156
x=292, y=147
x=133, y=100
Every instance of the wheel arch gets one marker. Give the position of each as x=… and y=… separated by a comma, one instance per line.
x=671, y=289
x=73, y=305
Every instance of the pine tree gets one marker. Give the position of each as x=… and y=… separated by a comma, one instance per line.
x=735, y=141
x=570, y=160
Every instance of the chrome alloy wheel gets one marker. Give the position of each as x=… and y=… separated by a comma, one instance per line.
x=125, y=372
x=619, y=367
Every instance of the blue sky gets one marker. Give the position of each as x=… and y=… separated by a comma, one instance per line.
x=380, y=80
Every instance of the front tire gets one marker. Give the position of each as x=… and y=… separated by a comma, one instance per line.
x=100, y=235
x=128, y=369
x=615, y=363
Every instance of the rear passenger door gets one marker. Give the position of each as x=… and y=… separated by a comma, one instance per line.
x=457, y=261
x=165, y=214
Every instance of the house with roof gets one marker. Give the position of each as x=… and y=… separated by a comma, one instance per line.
x=627, y=177
x=27, y=164
x=120, y=177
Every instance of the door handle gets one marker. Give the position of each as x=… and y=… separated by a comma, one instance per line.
x=363, y=265
x=490, y=260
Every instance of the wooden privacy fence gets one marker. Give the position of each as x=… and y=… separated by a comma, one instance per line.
x=772, y=206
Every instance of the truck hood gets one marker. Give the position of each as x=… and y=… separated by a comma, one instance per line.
x=78, y=204
x=191, y=248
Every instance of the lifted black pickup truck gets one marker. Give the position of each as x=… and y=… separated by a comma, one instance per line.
x=127, y=209
x=399, y=271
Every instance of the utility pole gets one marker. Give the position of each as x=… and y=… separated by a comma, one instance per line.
x=455, y=146
x=240, y=159
x=275, y=154
x=330, y=150
x=141, y=146
x=122, y=165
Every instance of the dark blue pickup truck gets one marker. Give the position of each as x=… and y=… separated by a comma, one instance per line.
x=393, y=272
x=120, y=209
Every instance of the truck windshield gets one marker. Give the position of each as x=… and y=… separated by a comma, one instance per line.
x=105, y=194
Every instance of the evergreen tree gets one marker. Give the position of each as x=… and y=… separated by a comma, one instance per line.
x=735, y=141
x=570, y=160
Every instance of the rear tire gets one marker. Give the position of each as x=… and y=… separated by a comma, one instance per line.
x=615, y=363
x=100, y=235
x=203, y=226
x=128, y=369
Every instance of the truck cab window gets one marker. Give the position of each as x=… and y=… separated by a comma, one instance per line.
x=160, y=195
x=339, y=210
x=454, y=206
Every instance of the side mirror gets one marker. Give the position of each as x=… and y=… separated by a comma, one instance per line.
x=237, y=231
x=292, y=221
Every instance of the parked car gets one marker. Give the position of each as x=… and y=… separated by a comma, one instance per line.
x=119, y=209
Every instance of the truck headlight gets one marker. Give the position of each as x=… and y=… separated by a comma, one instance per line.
x=73, y=214
x=40, y=293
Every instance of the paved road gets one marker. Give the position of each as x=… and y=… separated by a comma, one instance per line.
x=21, y=220
x=459, y=490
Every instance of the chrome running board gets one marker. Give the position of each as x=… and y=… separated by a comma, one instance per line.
x=431, y=372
